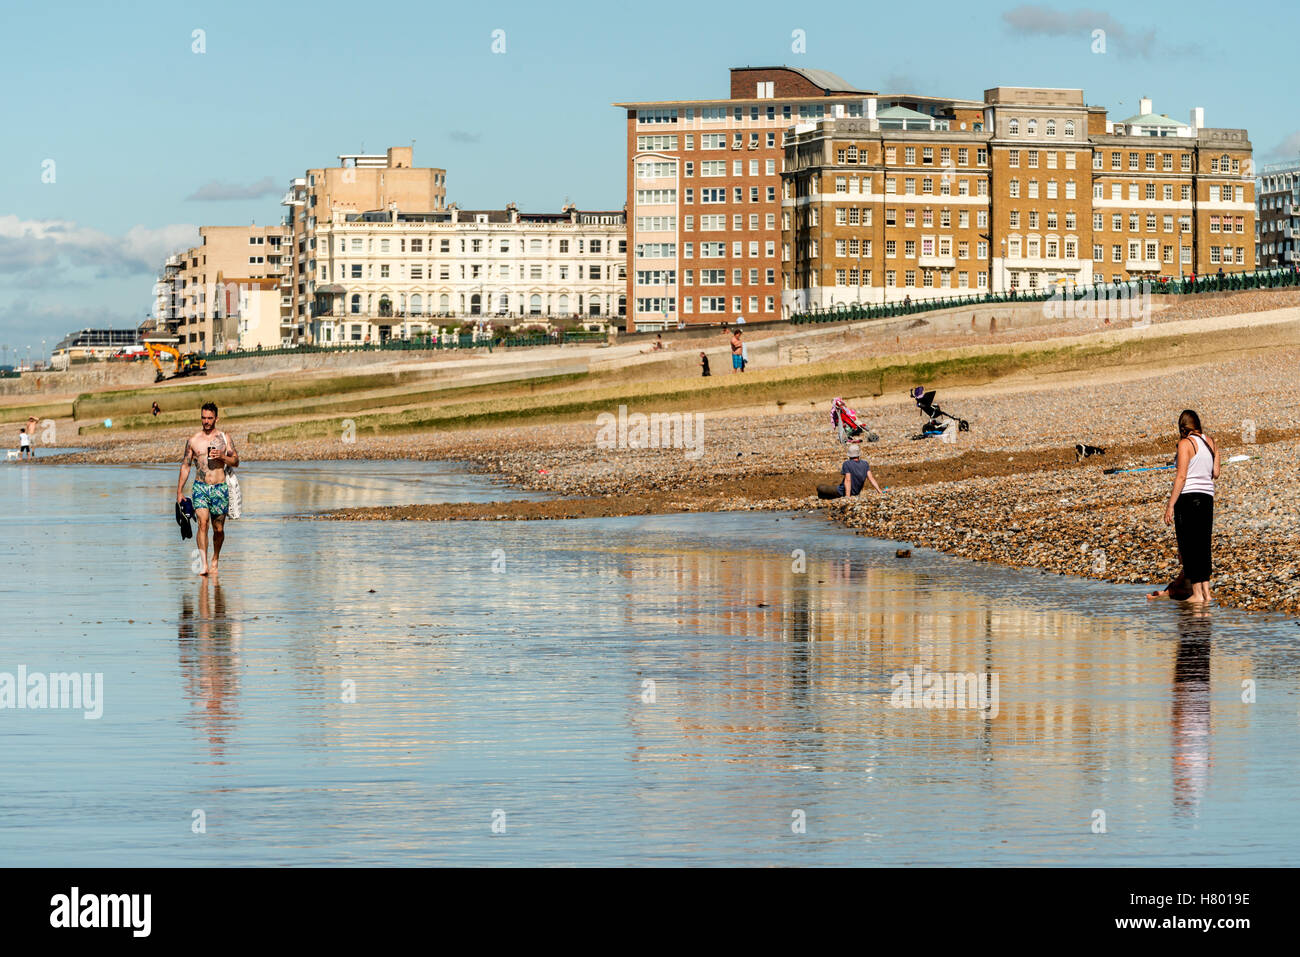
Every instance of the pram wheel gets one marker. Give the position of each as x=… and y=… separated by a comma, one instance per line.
x=963, y=426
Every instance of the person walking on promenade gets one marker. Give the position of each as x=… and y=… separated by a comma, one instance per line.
x=704, y=365
x=1191, y=503
x=737, y=350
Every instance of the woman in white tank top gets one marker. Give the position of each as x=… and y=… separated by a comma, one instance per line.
x=1191, y=503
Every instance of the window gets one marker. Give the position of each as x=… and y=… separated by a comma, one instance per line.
x=1013, y=159
x=1031, y=127
x=1013, y=127
x=1032, y=158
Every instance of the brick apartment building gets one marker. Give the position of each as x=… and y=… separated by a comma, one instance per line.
x=1277, y=234
x=1027, y=188
x=703, y=182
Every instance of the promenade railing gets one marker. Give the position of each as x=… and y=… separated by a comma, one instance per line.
x=422, y=343
x=1228, y=282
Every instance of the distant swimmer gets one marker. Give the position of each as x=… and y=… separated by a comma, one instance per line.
x=211, y=453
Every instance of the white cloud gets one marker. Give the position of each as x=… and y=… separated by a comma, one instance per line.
x=215, y=190
x=50, y=247
x=1288, y=149
x=1036, y=19
x=55, y=274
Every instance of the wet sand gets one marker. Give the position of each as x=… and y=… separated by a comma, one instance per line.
x=1009, y=491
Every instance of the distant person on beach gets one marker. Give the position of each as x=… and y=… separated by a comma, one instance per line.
x=704, y=365
x=156, y=410
x=854, y=476
x=1191, y=508
x=24, y=445
x=211, y=453
x=737, y=352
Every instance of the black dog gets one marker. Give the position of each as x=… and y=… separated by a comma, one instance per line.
x=1082, y=451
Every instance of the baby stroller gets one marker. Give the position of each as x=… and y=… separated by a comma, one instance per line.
x=936, y=420
x=845, y=422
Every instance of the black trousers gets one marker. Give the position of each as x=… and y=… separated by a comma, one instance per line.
x=1194, y=527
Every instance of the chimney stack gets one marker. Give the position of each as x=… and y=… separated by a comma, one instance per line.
x=1198, y=117
x=1144, y=106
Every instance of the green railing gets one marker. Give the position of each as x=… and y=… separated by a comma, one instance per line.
x=422, y=343
x=1228, y=282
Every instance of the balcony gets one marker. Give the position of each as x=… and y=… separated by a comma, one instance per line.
x=937, y=262
x=1142, y=265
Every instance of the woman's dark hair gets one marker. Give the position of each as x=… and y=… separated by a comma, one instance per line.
x=1188, y=423
x=212, y=407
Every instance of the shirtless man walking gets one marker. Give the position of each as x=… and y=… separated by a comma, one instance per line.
x=211, y=452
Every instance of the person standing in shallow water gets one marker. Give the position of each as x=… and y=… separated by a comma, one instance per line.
x=211, y=453
x=1191, y=503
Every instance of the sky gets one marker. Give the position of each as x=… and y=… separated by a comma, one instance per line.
x=126, y=129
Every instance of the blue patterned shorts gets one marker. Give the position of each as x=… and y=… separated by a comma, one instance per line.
x=215, y=498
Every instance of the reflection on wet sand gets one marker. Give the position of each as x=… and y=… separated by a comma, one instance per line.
x=815, y=651
x=209, y=657
x=1191, y=709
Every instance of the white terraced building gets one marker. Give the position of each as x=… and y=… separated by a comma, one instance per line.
x=395, y=274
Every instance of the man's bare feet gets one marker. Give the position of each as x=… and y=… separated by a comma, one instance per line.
x=212, y=567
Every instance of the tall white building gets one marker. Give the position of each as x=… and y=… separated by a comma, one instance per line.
x=391, y=273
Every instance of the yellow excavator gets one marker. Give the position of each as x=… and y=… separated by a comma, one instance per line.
x=186, y=364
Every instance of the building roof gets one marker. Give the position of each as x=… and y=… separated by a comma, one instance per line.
x=901, y=113
x=828, y=81
x=1150, y=119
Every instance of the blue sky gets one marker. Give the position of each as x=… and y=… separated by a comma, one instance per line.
x=140, y=128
